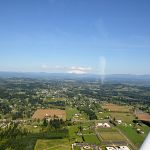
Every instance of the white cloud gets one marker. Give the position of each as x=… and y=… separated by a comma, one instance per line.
x=72, y=69
x=79, y=70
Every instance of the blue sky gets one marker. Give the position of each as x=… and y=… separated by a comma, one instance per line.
x=75, y=36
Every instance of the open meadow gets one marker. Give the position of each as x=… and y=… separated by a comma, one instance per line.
x=133, y=135
x=125, y=117
x=117, y=108
x=91, y=139
x=111, y=136
x=55, y=144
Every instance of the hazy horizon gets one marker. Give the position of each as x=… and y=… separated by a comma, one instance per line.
x=97, y=74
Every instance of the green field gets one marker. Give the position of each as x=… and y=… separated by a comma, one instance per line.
x=77, y=148
x=91, y=139
x=73, y=134
x=135, y=137
x=125, y=117
x=32, y=129
x=71, y=112
x=56, y=144
x=102, y=115
x=112, y=129
x=111, y=136
x=117, y=108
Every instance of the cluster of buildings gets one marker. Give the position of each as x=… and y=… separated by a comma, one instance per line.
x=118, y=148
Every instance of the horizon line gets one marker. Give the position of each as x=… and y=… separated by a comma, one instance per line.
x=72, y=73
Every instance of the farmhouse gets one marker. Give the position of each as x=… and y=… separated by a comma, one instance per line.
x=99, y=125
x=105, y=125
x=119, y=121
x=49, y=114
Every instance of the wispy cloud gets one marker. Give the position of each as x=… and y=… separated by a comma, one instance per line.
x=72, y=69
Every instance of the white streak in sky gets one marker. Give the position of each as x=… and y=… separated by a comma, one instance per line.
x=102, y=68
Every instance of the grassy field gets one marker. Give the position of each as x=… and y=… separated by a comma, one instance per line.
x=116, y=108
x=113, y=136
x=101, y=129
x=77, y=148
x=91, y=139
x=125, y=117
x=56, y=144
x=41, y=113
x=71, y=112
x=87, y=130
x=102, y=115
x=135, y=137
x=73, y=134
x=32, y=129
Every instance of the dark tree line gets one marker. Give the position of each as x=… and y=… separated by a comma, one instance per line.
x=54, y=123
x=12, y=131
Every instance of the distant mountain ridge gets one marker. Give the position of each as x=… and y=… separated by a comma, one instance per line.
x=116, y=78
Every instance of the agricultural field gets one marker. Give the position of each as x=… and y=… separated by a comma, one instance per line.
x=70, y=112
x=116, y=108
x=74, y=115
x=133, y=135
x=33, y=128
x=51, y=113
x=102, y=115
x=143, y=116
x=111, y=136
x=56, y=144
x=101, y=129
x=125, y=117
x=87, y=130
x=91, y=139
x=73, y=134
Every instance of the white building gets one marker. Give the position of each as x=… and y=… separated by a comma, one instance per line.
x=104, y=125
x=110, y=148
x=119, y=121
x=117, y=148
